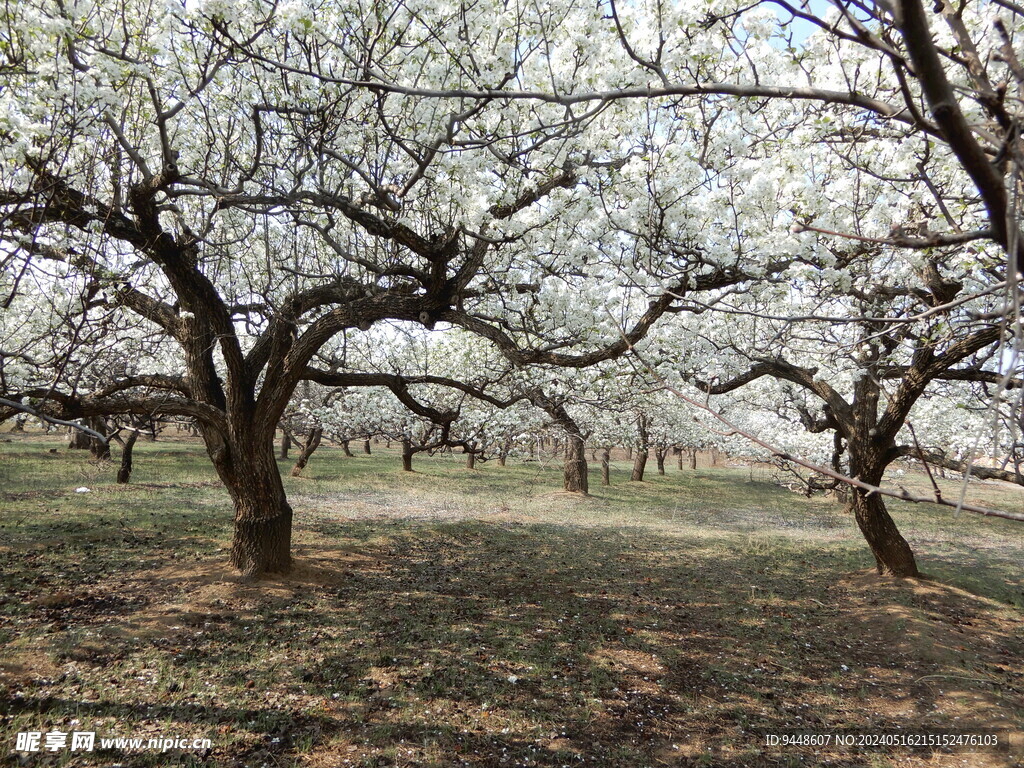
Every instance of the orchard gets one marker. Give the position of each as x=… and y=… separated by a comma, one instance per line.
x=499, y=383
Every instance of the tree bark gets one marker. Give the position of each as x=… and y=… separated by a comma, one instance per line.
x=679, y=459
x=642, y=449
x=471, y=460
x=124, y=472
x=406, y=455
x=286, y=442
x=659, y=456
x=575, y=468
x=639, y=464
x=893, y=555
x=312, y=443
x=693, y=458
x=263, y=518
x=345, y=449
x=80, y=441
x=99, y=449
x=366, y=447
x=869, y=455
x=606, y=457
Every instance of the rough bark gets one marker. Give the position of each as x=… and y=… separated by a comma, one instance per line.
x=659, y=456
x=100, y=449
x=311, y=444
x=345, y=448
x=642, y=448
x=286, y=442
x=79, y=441
x=893, y=555
x=870, y=453
x=606, y=457
x=575, y=469
x=366, y=448
x=639, y=464
x=124, y=472
x=407, y=455
x=263, y=518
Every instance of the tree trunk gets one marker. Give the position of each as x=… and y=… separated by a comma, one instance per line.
x=124, y=472
x=366, y=447
x=575, y=468
x=80, y=441
x=471, y=460
x=893, y=555
x=286, y=442
x=345, y=449
x=99, y=449
x=606, y=458
x=407, y=456
x=263, y=518
x=693, y=458
x=629, y=453
x=659, y=456
x=869, y=455
x=679, y=459
x=312, y=443
x=639, y=463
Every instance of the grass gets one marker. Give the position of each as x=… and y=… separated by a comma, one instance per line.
x=451, y=617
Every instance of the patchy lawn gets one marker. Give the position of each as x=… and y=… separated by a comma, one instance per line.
x=481, y=618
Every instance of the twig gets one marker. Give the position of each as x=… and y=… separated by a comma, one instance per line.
x=928, y=469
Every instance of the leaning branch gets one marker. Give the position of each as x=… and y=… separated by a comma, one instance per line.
x=21, y=407
x=983, y=473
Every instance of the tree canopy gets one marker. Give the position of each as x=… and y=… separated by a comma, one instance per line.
x=203, y=203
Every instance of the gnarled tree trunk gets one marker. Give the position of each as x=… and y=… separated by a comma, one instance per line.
x=639, y=464
x=263, y=519
x=642, y=448
x=868, y=460
x=659, y=456
x=80, y=441
x=407, y=455
x=124, y=472
x=312, y=443
x=893, y=555
x=575, y=468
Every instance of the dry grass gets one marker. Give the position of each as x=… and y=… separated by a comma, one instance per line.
x=451, y=617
